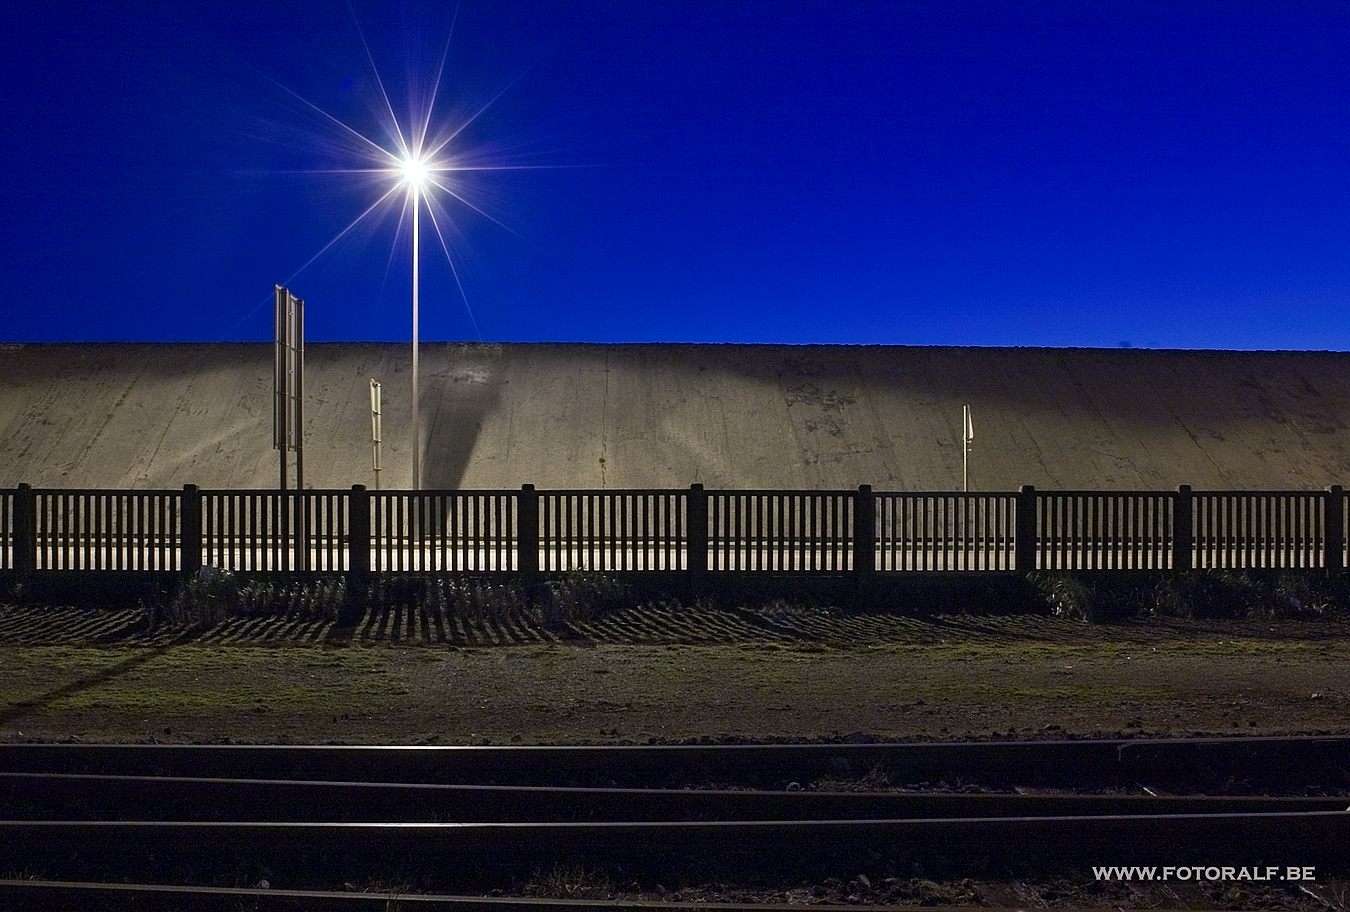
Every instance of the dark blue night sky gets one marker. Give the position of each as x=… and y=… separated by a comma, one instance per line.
x=1155, y=174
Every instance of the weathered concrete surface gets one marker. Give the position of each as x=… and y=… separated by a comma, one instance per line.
x=149, y=416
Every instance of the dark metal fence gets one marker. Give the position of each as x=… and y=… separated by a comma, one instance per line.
x=274, y=531
x=782, y=531
x=689, y=530
x=1274, y=529
x=442, y=531
x=612, y=530
x=942, y=531
x=106, y=530
x=1094, y=530
x=248, y=530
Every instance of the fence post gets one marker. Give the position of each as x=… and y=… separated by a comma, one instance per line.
x=527, y=530
x=300, y=509
x=864, y=532
x=1183, y=533
x=358, y=556
x=696, y=536
x=1024, y=530
x=25, y=533
x=190, y=531
x=1333, y=559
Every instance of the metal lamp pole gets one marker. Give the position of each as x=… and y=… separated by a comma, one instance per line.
x=416, y=426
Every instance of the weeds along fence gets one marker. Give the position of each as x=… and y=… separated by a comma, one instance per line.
x=691, y=531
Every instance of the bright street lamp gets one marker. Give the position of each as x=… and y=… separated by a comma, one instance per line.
x=414, y=171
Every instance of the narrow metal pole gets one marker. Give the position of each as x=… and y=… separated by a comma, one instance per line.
x=416, y=427
x=298, y=340
x=376, y=435
x=280, y=388
x=966, y=436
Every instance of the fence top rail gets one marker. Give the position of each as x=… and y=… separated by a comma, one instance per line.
x=776, y=492
x=1287, y=493
x=1169, y=493
x=1088, y=493
x=593, y=492
x=966, y=494
x=448, y=492
x=272, y=492
x=105, y=492
x=781, y=492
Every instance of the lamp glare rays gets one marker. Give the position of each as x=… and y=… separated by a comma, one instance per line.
x=420, y=138
x=412, y=154
x=402, y=144
x=436, y=224
x=426, y=155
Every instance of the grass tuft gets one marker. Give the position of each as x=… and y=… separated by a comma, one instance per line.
x=1193, y=595
x=581, y=595
x=214, y=596
x=569, y=882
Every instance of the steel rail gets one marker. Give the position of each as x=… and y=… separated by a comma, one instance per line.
x=69, y=796
x=1314, y=838
x=1064, y=762
x=25, y=895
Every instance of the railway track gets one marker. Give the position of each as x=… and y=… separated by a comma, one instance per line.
x=1270, y=763
x=461, y=819
x=47, y=896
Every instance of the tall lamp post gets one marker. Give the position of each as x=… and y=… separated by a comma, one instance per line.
x=414, y=172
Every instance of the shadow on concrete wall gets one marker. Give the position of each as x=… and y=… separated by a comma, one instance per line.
x=461, y=394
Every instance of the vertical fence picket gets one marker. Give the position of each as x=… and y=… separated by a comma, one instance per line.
x=190, y=531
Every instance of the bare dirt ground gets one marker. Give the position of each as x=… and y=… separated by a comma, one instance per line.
x=665, y=674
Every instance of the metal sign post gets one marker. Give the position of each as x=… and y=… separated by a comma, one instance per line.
x=967, y=436
x=288, y=384
x=288, y=419
x=376, y=437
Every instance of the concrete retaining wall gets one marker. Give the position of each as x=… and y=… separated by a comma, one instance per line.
x=144, y=416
